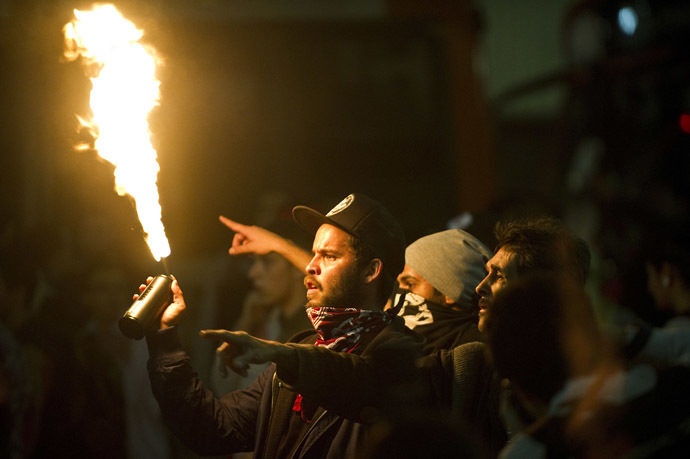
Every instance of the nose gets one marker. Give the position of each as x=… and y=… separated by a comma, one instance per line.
x=399, y=281
x=313, y=267
x=482, y=288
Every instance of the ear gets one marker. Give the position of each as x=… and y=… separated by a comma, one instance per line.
x=374, y=269
x=447, y=300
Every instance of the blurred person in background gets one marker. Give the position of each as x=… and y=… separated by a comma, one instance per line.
x=541, y=333
x=662, y=336
x=585, y=401
x=667, y=264
x=273, y=309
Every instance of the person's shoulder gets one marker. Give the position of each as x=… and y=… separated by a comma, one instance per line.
x=474, y=353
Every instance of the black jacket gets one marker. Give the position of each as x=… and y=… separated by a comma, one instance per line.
x=260, y=417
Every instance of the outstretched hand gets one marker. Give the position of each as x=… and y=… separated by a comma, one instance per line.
x=260, y=241
x=239, y=349
x=252, y=239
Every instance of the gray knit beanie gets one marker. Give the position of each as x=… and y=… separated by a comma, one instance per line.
x=452, y=261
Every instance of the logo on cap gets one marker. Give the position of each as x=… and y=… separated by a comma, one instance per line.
x=342, y=205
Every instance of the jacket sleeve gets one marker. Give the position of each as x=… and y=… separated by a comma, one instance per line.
x=206, y=424
x=463, y=381
x=383, y=379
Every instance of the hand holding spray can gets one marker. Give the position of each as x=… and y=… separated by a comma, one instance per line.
x=146, y=310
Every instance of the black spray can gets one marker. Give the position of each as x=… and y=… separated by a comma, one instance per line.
x=146, y=310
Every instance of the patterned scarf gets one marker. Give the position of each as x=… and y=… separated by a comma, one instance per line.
x=341, y=330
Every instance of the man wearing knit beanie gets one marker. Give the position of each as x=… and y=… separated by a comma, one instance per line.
x=441, y=272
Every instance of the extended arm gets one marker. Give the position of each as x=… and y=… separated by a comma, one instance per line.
x=239, y=349
x=382, y=378
x=254, y=239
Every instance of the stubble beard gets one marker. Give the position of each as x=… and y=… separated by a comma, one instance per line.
x=346, y=292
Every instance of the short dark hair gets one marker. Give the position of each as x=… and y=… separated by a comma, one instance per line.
x=541, y=331
x=544, y=244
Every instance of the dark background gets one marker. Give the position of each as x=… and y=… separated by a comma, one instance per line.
x=435, y=110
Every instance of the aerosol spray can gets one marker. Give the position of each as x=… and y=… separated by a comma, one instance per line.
x=146, y=310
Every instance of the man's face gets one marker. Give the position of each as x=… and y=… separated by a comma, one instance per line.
x=273, y=279
x=333, y=277
x=502, y=269
x=410, y=280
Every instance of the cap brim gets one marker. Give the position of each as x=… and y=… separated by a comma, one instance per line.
x=309, y=219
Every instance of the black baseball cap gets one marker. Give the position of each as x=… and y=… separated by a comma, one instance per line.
x=365, y=219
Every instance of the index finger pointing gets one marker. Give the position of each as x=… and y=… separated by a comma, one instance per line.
x=222, y=335
x=211, y=334
x=233, y=225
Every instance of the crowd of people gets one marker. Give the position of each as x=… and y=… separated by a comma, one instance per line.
x=539, y=377
x=353, y=342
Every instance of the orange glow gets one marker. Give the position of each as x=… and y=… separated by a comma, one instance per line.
x=124, y=91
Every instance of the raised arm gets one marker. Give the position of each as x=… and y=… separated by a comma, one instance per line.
x=206, y=424
x=254, y=239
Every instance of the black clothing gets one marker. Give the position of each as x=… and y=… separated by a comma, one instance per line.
x=463, y=381
x=260, y=417
x=442, y=326
x=450, y=328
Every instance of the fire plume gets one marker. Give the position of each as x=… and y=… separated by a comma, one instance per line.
x=124, y=91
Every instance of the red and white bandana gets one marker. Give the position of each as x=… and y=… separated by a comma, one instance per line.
x=341, y=330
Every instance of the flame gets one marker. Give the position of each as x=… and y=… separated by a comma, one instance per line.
x=125, y=89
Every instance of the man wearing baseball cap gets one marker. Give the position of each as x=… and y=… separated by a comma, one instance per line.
x=377, y=242
x=436, y=282
x=288, y=411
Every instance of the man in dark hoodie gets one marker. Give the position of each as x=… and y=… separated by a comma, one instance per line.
x=288, y=411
